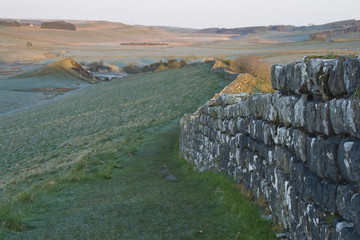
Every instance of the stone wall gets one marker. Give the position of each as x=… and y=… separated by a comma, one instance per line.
x=299, y=147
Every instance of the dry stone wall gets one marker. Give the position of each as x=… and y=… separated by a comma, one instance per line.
x=299, y=147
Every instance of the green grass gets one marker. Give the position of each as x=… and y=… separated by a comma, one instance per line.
x=93, y=165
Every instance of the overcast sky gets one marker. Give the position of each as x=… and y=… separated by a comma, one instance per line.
x=187, y=13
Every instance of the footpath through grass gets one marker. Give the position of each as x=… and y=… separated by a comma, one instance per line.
x=104, y=165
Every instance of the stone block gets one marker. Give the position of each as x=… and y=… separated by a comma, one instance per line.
x=326, y=231
x=336, y=79
x=322, y=157
x=241, y=157
x=243, y=108
x=337, y=108
x=315, y=217
x=349, y=160
x=242, y=125
x=318, y=118
x=352, y=117
x=265, y=134
x=284, y=137
x=300, y=142
x=289, y=83
x=310, y=116
x=269, y=155
x=284, y=105
x=252, y=128
x=344, y=231
x=282, y=157
x=297, y=173
x=328, y=201
x=298, y=85
x=312, y=188
x=224, y=159
x=343, y=200
x=277, y=76
x=317, y=75
x=351, y=74
x=355, y=210
x=299, y=112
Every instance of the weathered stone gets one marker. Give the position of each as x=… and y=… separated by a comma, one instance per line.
x=300, y=141
x=326, y=231
x=298, y=85
x=315, y=217
x=299, y=112
x=284, y=105
x=336, y=108
x=242, y=125
x=351, y=74
x=277, y=76
x=322, y=157
x=318, y=118
x=312, y=188
x=351, y=116
x=243, y=107
x=323, y=118
x=297, y=172
x=224, y=159
x=284, y=137
x=289, y=78
x=311, y=116
x=344, y=231
x=282, y=158
x=328, y=202
x=265, y=135
x=336, y=79
x=318, y=72
x=349, y=160
x=355, y=210
x=343, y=200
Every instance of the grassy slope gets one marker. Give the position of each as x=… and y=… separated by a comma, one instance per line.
x=77, y=168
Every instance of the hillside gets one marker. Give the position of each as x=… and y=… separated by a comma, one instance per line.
x=102, y=163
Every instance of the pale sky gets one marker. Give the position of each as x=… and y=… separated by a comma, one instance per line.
x=187, y=13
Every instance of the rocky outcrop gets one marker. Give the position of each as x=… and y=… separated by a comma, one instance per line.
x=298, y=148
x=58, y=25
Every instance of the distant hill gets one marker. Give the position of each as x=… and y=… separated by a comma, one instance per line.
x=58, y=25
x=340, y=27
x=247, y=30
x=336, y=32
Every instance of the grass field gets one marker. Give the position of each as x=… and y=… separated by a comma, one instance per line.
x=102, y=163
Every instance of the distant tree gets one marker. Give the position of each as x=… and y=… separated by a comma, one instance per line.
x=29, y=44
x=317, y=37
x=58, y=25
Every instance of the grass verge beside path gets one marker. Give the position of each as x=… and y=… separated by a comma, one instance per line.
x=141, y=201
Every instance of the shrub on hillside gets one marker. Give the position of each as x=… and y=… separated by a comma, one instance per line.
x=317, y=37
x=58, y=25
x=132, y=69
x=173, y=63
x=253, y=65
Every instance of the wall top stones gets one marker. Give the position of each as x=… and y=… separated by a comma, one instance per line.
x=323, y=78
